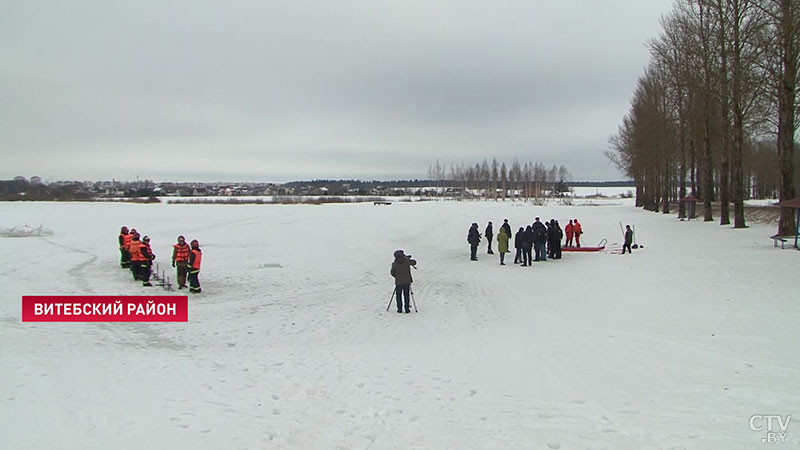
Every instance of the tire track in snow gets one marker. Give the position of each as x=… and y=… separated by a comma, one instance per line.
x=78, y=271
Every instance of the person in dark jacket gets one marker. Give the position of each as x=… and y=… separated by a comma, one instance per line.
x=489, y=233
x=539, y=240
x=518, y=245
x=507, y=227
x=401, y=271
x=474, y=238
x=559, y=236
x=527, y=243
x=628, y=239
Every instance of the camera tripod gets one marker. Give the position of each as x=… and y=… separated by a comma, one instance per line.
x=413, y=302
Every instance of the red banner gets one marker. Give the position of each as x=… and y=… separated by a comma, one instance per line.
x=105, y=308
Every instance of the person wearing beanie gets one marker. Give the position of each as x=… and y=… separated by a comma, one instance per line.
x=401, y=271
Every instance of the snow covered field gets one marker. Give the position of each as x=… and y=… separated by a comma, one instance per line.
x=290, y=346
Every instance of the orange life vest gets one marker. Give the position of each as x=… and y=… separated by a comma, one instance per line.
x=126, y=241
x=198, y=256
x=136, y=251
x=182, y=252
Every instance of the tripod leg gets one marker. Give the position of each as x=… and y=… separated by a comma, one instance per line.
x=414, y=302
x=394, y=291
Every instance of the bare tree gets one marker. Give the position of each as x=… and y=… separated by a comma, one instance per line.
x=782, y=45
x=504, y=180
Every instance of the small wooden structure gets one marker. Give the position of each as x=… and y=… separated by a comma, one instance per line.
x=794, y=204
x=692, y=201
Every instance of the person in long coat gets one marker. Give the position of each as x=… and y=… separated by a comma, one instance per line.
x=502, y=245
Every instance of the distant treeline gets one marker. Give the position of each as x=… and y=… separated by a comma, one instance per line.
x=372, y=184
x=715, y=114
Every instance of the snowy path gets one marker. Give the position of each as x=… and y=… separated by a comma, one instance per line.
x=290, y=344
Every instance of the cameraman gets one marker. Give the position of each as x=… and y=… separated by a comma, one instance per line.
x=401, y=271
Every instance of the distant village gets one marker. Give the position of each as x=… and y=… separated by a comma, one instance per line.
x=34, y=188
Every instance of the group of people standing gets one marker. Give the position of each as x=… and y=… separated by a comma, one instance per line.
x=535, y=242
x=136, y=254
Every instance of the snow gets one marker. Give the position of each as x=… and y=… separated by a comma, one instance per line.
x=290, y=346
x=616, y=191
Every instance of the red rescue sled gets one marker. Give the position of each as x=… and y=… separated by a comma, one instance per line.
x=600, y=246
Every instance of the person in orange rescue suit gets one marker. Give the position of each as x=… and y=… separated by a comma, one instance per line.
x=195, y=257
x=180, y=260
x=578, y=230
x=137, y=258
x=568, y=231
x=147, y=261
x=124, y=245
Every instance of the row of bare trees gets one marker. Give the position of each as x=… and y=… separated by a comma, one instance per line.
x=496, y=180
x=716, y=110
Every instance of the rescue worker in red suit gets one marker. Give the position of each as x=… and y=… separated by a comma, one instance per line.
x=568, y=230
x=124, y=248
x=180, y=260
x=576, y=228
x=195, y=258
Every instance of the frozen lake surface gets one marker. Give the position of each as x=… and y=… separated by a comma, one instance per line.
x=290, y=346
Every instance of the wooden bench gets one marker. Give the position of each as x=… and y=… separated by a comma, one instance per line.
x=782, y=239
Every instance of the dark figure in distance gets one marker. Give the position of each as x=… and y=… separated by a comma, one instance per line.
x=539, y=240
x=518, y=245
x=401, y=271
x=489, y=233
x=527, y=243
x=474, y=238
x=628, y=239
x=507, y=227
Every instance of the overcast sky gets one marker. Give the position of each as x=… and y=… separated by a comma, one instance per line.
x=266, y=90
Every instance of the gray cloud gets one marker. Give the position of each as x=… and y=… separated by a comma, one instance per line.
x=267, y=90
